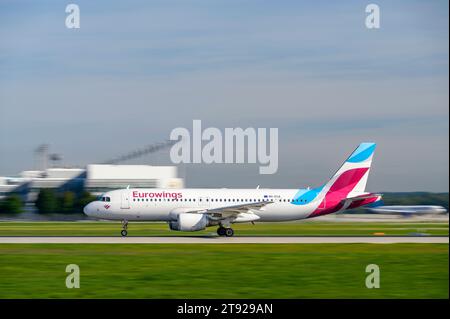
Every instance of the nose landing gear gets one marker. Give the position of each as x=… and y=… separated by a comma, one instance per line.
x=124, y=232
x=222, y=231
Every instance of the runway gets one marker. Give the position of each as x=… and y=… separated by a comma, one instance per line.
x=224, y=240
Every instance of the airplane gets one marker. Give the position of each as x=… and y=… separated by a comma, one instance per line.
x=407, y=210
x=195, y=209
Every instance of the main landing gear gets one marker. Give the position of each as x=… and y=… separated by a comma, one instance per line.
x=124, y=232
x=222, y=231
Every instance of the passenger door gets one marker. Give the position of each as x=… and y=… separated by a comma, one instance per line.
x=125, y=203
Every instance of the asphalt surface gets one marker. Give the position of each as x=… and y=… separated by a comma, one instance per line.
x=224, y=240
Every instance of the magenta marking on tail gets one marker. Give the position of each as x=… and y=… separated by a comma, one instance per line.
x=343, y=185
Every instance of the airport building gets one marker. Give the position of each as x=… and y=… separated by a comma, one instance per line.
x=103, y=178
x=96, y=179
x=9, y=185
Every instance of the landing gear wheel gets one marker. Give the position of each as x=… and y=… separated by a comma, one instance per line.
x=221, y=231
x=229, y=232
x=124, y=228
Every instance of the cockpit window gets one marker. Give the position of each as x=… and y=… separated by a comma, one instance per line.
x=105, y=199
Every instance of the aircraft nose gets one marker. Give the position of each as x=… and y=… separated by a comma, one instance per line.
x=88, y=209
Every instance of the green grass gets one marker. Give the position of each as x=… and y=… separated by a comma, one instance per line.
x=276, y=229
x=224, y=271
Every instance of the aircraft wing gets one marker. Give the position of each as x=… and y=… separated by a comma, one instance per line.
x=235, y=211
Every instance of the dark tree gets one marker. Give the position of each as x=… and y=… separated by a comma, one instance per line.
x=67, y=202
x=11, y=204
x=47, y=201
x=83, y=199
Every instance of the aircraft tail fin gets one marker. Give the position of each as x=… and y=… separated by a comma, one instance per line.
x=347, y=187
x=351, y=178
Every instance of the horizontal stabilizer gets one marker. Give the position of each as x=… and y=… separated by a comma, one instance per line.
x=361, y=200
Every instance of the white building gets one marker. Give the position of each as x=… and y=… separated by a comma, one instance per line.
x=8, y=185
x=97, y=179
x=101, y=178
x=53, y=177
x=56, y=178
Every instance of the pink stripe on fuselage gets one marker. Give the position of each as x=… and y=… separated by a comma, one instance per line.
x=339, y=191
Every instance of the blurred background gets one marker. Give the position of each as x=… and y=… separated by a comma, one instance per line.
x=86, y=110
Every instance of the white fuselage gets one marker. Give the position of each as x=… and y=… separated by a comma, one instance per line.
x=166, y=204
x=196, y=209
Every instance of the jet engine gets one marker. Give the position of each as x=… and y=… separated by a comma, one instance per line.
x=189, y=222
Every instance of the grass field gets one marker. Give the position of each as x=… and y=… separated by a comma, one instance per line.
x=224, y=271
x=309, y=228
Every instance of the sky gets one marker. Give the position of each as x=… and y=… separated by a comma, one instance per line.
x=135, y=70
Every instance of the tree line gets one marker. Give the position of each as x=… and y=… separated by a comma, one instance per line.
x=49, y=201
